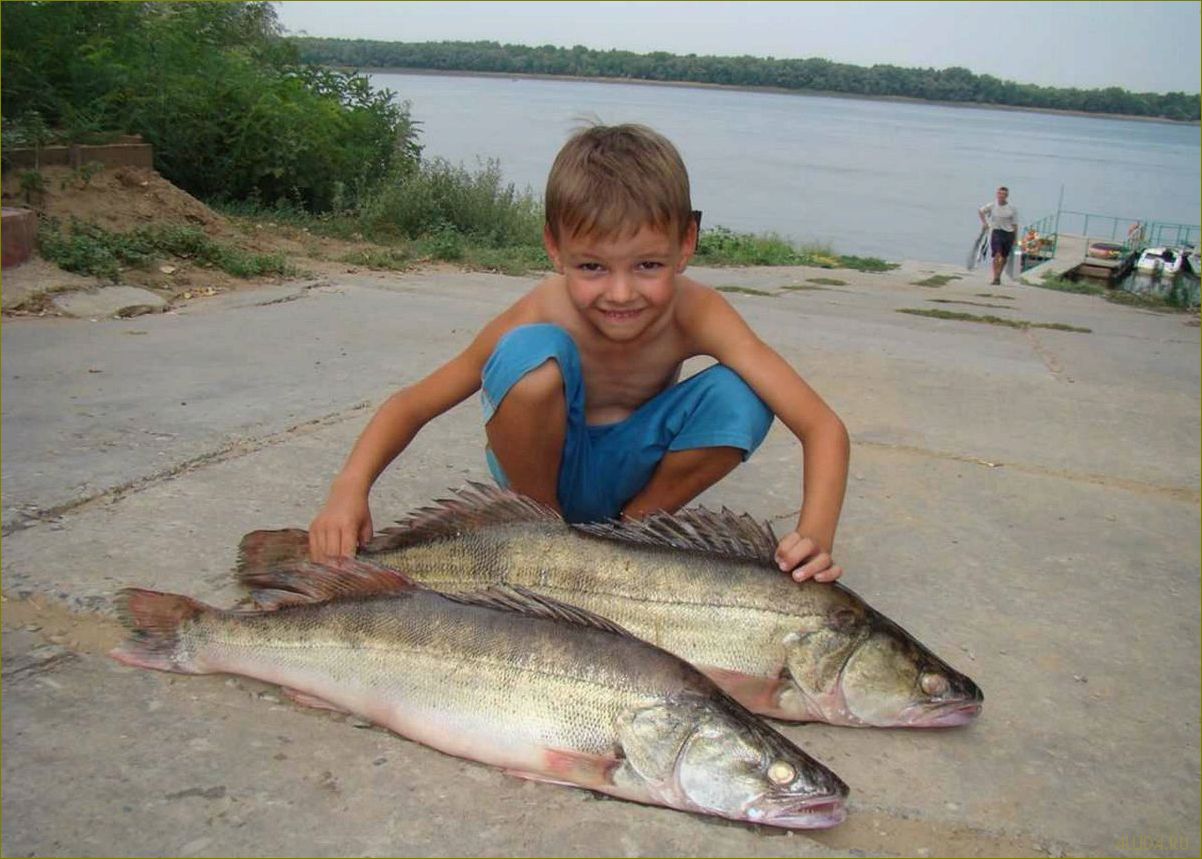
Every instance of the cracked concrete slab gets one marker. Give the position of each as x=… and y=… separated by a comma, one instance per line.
x=1025, y=505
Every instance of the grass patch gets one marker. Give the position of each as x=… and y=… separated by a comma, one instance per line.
x=1157, y=303
x=1063, y=284
x=798, y=287
x=390, y=259
x=1175, y=299
x=936, y=280
x=823, y=281
x=721, y=246
x=991, y=320
x=92, y=250
x=973, y=303
x=743, y=290
x=516, y=260
x=994, y=295
x=872, y=264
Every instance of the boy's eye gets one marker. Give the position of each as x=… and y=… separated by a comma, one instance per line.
x=589, y=266
x=650, y=265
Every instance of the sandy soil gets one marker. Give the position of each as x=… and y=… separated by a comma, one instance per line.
x=122, y=199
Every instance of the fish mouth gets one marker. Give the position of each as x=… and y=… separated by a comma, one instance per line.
x=947, y=716
x=820, y=813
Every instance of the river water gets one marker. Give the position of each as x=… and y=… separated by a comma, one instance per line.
x=891, y=179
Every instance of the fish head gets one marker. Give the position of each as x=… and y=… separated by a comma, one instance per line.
x=860, y=668
x=709, y=754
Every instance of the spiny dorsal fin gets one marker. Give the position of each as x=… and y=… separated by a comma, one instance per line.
x=522, y=601
x=266, y=550
x=697, y=529
x=308, y=582
x=477, y=505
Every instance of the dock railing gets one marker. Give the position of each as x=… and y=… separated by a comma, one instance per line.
x=1132, y=234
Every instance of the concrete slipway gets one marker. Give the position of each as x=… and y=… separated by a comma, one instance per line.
x=1026, y=502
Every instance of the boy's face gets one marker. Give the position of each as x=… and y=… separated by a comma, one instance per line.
x=622, y=286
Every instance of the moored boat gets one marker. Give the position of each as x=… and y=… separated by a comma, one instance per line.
x=1160, y=260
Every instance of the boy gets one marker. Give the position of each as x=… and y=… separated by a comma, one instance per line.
x=582, y=403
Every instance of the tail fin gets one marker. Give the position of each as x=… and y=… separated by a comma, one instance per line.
x=154, y=621
x=266, y=550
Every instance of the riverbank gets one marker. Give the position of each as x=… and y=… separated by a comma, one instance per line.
x=777, y=90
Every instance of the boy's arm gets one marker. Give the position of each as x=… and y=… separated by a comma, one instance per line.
x=716, y=329
x=345, y=520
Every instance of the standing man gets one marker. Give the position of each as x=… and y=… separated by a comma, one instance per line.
x=1002, y=220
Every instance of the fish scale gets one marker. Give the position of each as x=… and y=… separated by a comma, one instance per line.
x=681, y=602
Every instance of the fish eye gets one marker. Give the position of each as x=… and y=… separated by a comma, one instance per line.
x=934, y=684
x=781, y=773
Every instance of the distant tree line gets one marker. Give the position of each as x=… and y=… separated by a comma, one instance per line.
x=818, y=75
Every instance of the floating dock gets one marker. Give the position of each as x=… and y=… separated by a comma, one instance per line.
x=1071, y=257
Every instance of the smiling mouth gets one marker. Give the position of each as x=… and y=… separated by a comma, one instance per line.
x=621, y=315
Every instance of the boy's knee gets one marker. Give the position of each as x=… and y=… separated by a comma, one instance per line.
x=727, y=387
x=721, y=409
x=530, y=363
x=541, y=387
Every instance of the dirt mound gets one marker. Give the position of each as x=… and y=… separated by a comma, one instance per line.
x=118, y=199
x=123, y=199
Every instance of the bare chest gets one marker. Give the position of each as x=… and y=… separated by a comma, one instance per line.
x=614, y=386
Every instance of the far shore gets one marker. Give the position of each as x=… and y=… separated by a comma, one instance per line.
x=973, y=105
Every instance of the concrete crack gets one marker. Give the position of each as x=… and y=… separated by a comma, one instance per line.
x=30, y=517
x=1180, y=493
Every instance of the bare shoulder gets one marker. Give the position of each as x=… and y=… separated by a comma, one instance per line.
x=704, y=313
x=534, y=306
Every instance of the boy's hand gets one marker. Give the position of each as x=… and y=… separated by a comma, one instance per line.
x=803, y=558
x=339, y=528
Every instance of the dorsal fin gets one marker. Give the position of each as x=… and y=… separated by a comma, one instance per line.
x=309, y=582
x=522, y=601
x=697, y=529
x=476, y=505
x=266, y=550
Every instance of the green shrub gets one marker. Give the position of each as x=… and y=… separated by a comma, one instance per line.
x=215, y=88
x=438, y=196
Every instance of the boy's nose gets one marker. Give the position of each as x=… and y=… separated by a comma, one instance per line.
x=620, y=290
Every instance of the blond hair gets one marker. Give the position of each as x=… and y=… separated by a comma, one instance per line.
x=613, y=180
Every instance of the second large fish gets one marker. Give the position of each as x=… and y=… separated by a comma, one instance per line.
x=699, y=584
x=506, y=678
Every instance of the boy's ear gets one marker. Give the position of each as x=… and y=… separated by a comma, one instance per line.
x=552, y=248
x=688, y=247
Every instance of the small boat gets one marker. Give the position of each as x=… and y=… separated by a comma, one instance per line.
x=1104, y=250
x=1160, y=261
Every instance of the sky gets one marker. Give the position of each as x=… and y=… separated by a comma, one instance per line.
x=1140, y=46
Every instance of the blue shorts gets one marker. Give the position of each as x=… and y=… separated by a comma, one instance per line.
x=604, y=466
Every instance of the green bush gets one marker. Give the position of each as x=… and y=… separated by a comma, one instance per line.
x=438, y=197
x=214, y=87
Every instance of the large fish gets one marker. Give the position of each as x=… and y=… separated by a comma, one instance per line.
x=699, y=584
x=507, y=678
